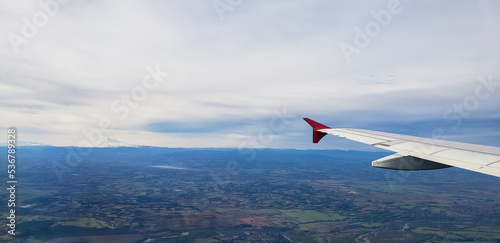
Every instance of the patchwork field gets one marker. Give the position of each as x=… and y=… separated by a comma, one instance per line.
x=123, y=195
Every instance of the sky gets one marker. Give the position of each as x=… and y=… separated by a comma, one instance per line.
x=241, y=73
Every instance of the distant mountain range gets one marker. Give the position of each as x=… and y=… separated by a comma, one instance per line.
x=106, y=143
x=113, y=143
x=24, y=143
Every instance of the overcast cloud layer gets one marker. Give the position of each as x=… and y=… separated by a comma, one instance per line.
x=234, y=70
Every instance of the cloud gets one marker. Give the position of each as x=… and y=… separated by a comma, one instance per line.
x=226, y=77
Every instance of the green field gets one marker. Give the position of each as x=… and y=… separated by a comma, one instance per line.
x=306, y=216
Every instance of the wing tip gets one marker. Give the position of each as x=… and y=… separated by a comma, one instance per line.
x=316, y=125
x=317, y=135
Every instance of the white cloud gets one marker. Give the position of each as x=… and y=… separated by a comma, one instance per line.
x=264, y=55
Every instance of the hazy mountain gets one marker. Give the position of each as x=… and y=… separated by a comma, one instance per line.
x=113, y=143
x=26, y=143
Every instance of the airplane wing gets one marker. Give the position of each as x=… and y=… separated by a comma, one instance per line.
x=415, y=153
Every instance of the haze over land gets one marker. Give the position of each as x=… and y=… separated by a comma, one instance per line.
x=232, y=195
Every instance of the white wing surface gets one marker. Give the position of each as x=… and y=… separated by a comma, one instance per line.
x=415, y=153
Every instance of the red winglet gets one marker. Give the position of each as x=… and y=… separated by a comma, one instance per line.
x=316, y=126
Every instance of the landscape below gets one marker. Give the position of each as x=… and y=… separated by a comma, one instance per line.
x=150, y=194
